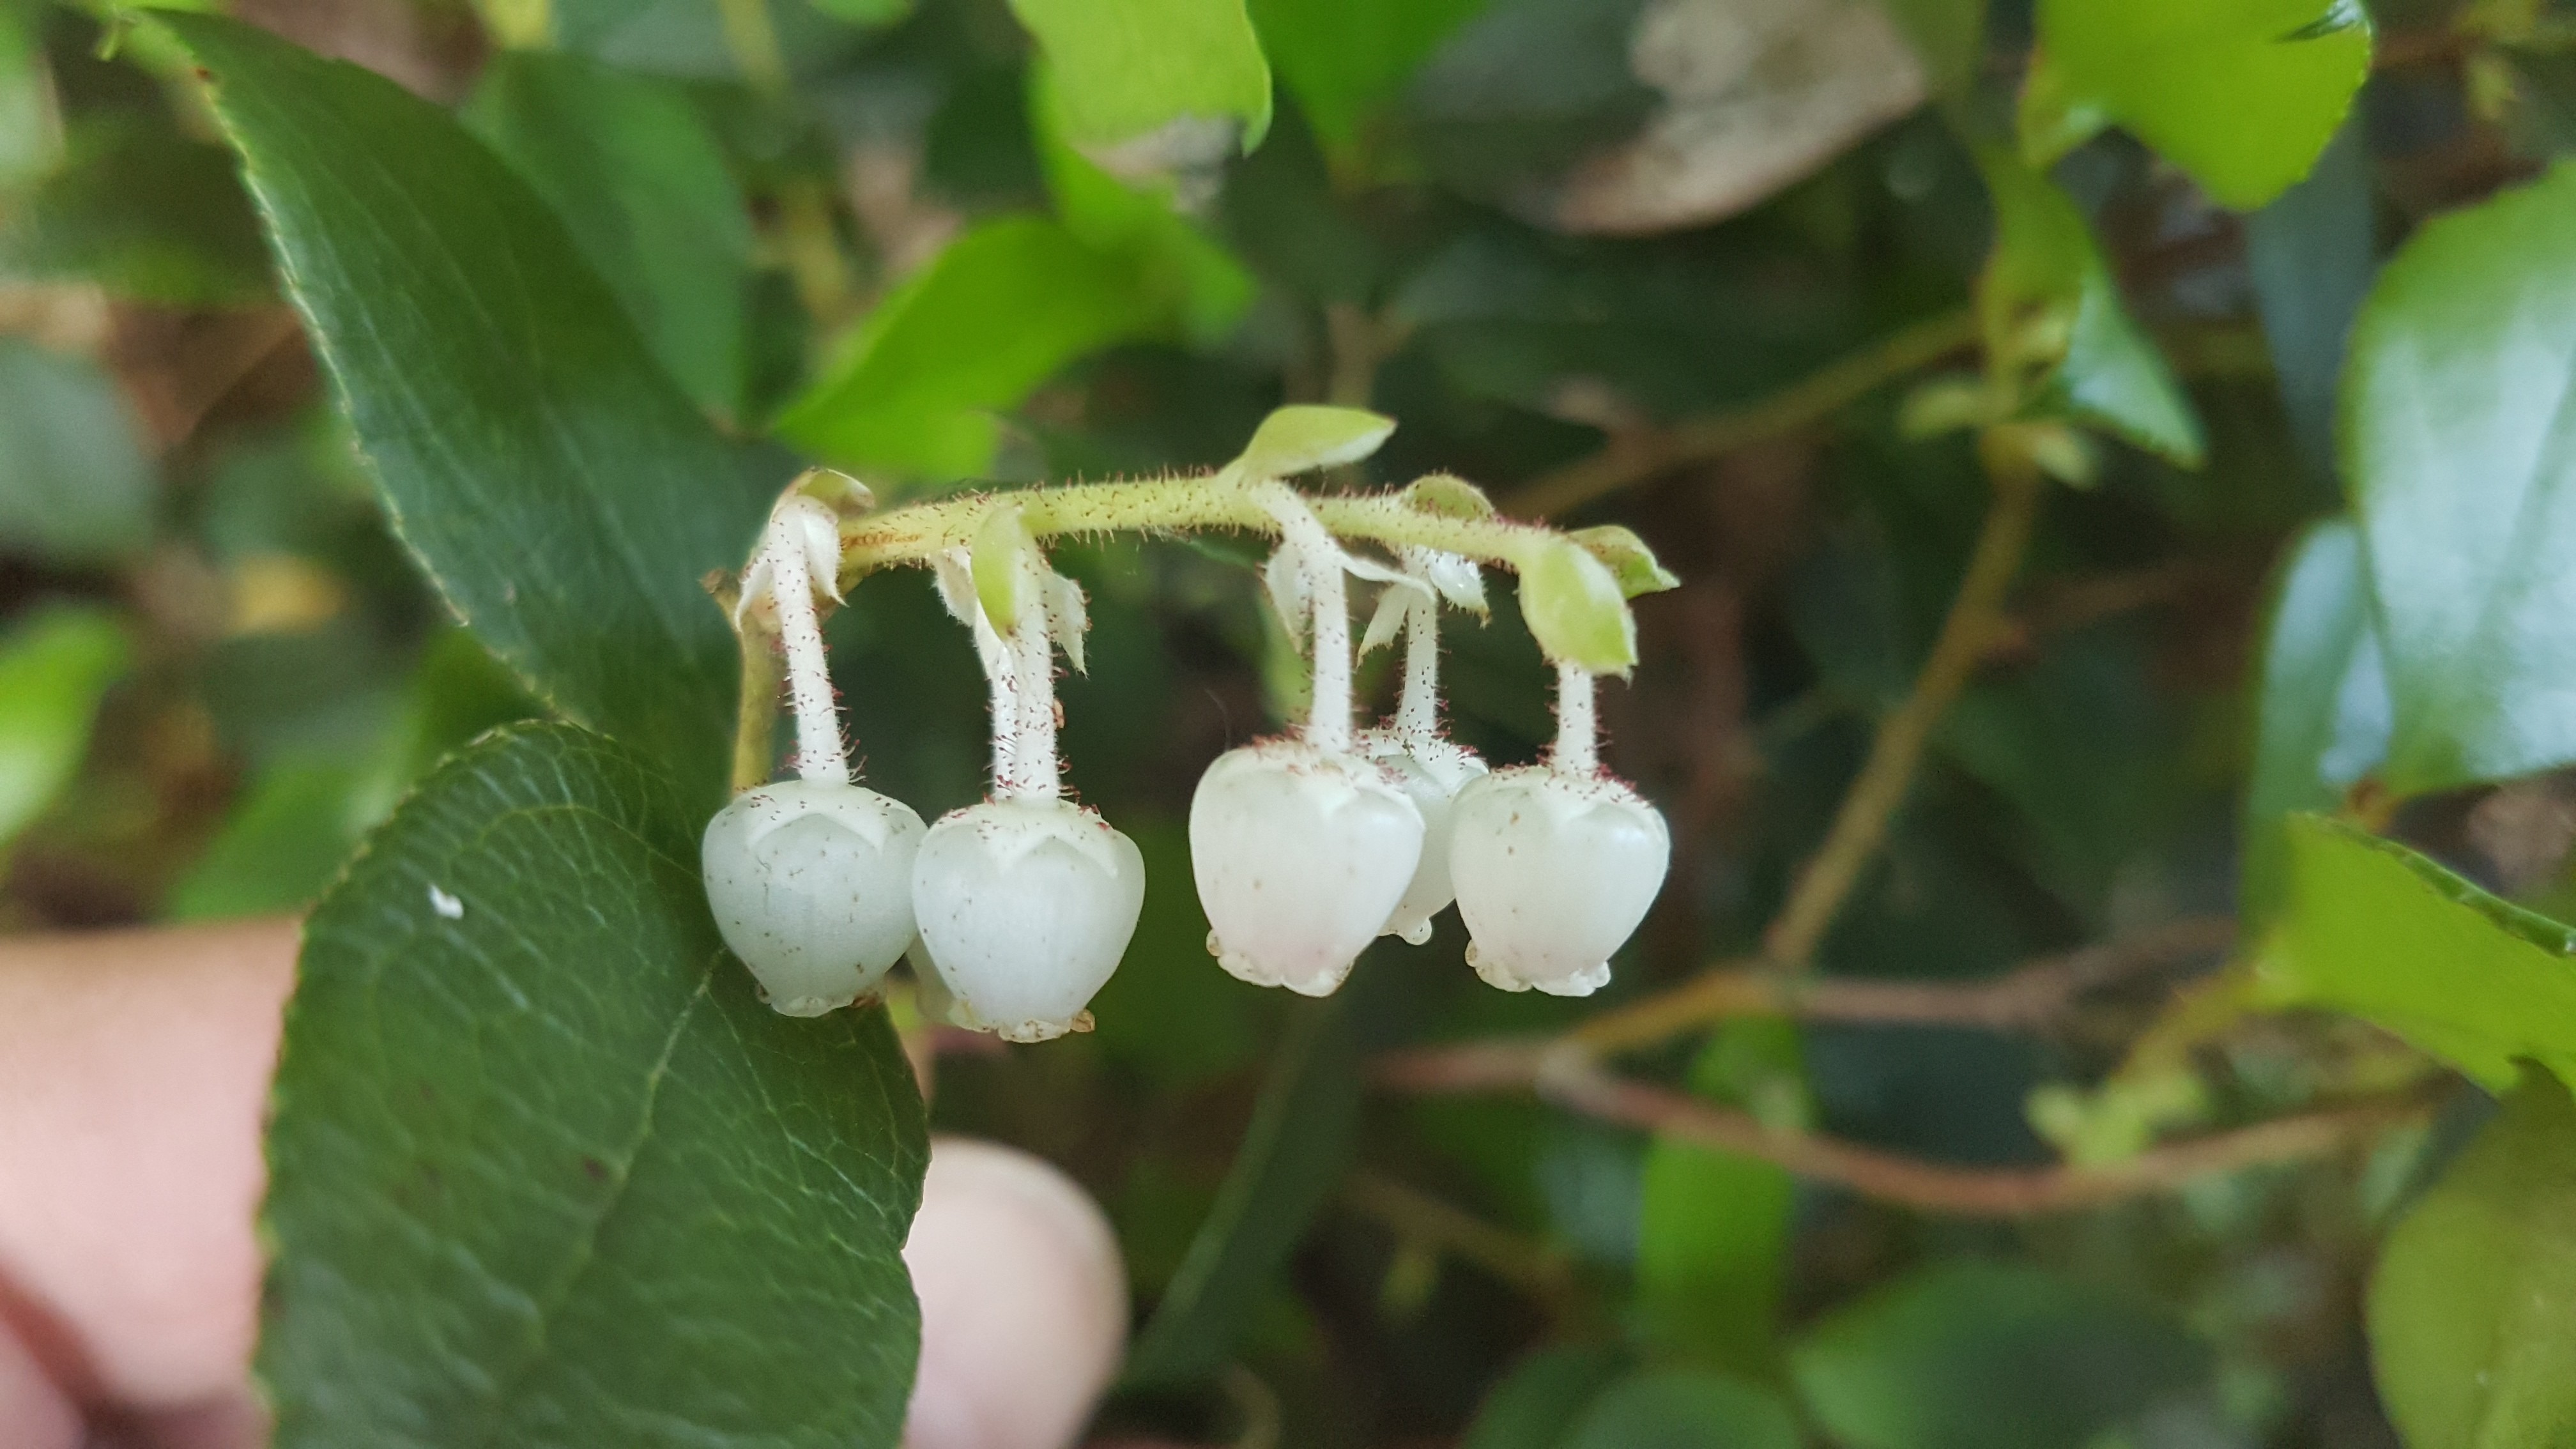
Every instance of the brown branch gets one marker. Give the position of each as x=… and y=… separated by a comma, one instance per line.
x=1534, y=1267
x=1860, y=826
x=1571, y=1078
x=2032, y=997
x=1575, y=1082
x=1635, y=458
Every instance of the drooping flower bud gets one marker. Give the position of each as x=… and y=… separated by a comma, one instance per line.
x=1554, y=872
x=1025, y=907
x=1431, y=772
x=811, y=885
x=1300, y=855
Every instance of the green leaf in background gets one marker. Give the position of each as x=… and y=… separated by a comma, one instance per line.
x=1950, y=36
x=75, y=486
x=2243, y=94
x=2470, y=1338
x=2462, y=465
x=641, y=183
x=2323, y=701
x=283, y=841
x=2374, y=929
x=1538, y=1402
x=2311, y=255
x=2045, y=274
x=562, y=492
x=1125, y=68
x=1000, y=310
x=542, y=1168
x=1288, y=1163
x=1345, y=60
x=1990, y=1356
x=54, y=666
x=1187, y=280
x=864, y=12
x=1713, y=1227
x=1682, y=1409
x=1163, y=1014
x=145, y=213
x=28, y=139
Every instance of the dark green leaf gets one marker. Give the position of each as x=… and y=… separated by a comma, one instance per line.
x=2374, y=929
x=1291, y=1157
x=2470, y=1337
x=53, y=669
x=1986, y=1356
x=1165, y=1014
x=75, y=487
x=2046, y=265
x=561, y=491
x=1678, y=1409
x=2243, y=94
x=1538, y=1402
x=1000, y=311
x=639, y=180
x=2458, y=448
x=1713, y=1227
x=865, y=12
x=144, y=213
x=2323, y=701
x=1345, y=60
x=542, y=1169
x=1125, y=68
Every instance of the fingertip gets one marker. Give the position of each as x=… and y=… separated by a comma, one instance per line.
x=1023, y=1302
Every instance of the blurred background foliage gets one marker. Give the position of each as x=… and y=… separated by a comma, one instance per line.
x=1695, y=266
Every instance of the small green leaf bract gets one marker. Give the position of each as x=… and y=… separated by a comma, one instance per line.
x=561, y=491
x=2372, y=928
x=54, y=667
x=1302, y=437
x=1126, y=68
x=2243, y=94
x=2470, y=1338
x=2462, y=465
x=542, y=1167
x=1630, y=561
x=1972, y=1355
x=1576, y=609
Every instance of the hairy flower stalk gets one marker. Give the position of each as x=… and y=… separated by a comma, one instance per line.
x=1578, y=730
x=1025, y=902
x=801, y=545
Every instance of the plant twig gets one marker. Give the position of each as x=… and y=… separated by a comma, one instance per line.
x=1534, y=1267
x=2029, y=998
x=1860, y=826
x=1578, y=1083
x=1632, y=460
x=1572, y=1078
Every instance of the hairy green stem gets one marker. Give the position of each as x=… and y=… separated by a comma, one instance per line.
x=1174, y=505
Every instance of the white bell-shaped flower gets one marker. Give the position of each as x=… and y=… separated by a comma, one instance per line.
x=811, y=884
x=1300, y=855
x=1025, y=907
x=1554, y=871
x=1431, y=771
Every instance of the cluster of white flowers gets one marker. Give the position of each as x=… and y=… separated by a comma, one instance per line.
x=1305, y=848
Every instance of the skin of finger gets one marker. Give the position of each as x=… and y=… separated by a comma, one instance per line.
x=134, y=1071
x=34, y=1414
x=1023, y=1302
